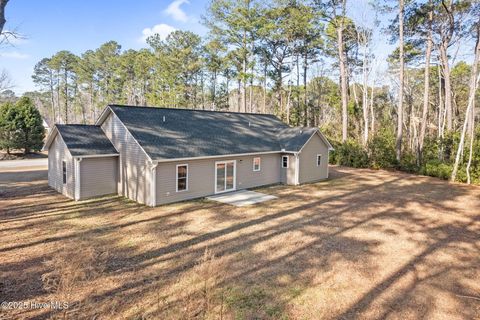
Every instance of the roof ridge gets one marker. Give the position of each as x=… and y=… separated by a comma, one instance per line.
x=75, y=125
x=195, y=110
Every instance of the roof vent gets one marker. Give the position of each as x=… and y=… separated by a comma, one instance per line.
x=163, y=118
x=249, y=124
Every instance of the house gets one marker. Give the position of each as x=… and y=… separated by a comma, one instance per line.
x=161, y=155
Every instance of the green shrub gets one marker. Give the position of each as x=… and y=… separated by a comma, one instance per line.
x=409, y=163
x=350, y=154
x=436, y=168
x=437, y=160
x=381, y=150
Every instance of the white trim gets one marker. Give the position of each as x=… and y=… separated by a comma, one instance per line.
x=176, y=177
x=297, y=169
x=328, y=162
x=288, y=161
x=50, y=138
x=101, y=118
x=259, y=164
x=97, y=155
x=77, y=178
x=329, y=146
x=308, y=141
x=234, y=176
x=98, y=123
x=316, y=159
x=222, y=156
x=153, y=184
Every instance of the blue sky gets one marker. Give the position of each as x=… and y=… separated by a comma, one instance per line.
x=50, y=26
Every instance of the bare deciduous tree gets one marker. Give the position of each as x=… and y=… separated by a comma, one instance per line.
x=474, y=79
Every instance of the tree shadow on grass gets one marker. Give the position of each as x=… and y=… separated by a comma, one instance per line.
x=370, y=245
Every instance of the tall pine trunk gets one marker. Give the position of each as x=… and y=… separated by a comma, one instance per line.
x=307, y=121
x=66, y=95
x=426, y=88
x=365, y=94
x=447, y=86
x=398, y=143
x=343, y=73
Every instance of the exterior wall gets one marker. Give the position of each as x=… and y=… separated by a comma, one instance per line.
x=309, y=171
x=98, y=176
x=287, y=175
x=133, y=181
x=58, y=152
x=201, y=176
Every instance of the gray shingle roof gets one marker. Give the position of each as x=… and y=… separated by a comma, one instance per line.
x=166, y=133
x=294, y=138
x=83, y=140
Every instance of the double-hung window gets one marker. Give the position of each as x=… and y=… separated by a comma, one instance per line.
x=256, y=164
x=182, y=177
x=64, y=170
x=284, y=161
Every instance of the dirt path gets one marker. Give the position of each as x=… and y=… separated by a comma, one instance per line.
x=363, y=245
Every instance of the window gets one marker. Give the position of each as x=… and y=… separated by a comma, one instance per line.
x=284, y=161
x=182, y=177
x=319, y=160
x=64, y=169
x=256, y=164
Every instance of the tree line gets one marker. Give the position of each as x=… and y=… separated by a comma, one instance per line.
x=311, y=63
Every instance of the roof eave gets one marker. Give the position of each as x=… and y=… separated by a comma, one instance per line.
x=106, y=111
x=50, y=138
x=96, y=155
x=325, y=140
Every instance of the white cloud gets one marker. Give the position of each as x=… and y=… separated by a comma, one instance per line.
x=162, y=29
x=14, y=55
x=174, y=10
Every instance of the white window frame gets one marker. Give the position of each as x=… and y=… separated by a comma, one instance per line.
x=259, y=164
x=288, y=161
x=64, y=172
x=176, y=177
x=234, y=175
x=316, y=159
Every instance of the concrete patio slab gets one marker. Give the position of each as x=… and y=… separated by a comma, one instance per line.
x=242, y=198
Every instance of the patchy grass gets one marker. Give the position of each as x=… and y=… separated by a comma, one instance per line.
x=364, y=244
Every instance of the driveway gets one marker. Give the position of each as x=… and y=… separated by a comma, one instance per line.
x=25, y=164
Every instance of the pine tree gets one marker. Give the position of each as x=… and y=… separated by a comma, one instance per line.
x=8, y=131
x=29, y=124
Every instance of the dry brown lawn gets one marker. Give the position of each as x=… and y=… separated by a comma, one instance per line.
x=363, y=245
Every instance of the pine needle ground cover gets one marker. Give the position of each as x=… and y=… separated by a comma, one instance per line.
x=365, y=244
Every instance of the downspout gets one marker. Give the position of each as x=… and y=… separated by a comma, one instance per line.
x=77, y=177
x=297, y=169
x=153, y=183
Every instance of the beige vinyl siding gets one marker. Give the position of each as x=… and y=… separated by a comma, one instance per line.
x=288, y=174
x=98, y=176
x=132, y=182
x=309, y=171
x=201, y=176
x=58, y=152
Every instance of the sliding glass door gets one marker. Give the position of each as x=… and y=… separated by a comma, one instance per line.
x=224, y=176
